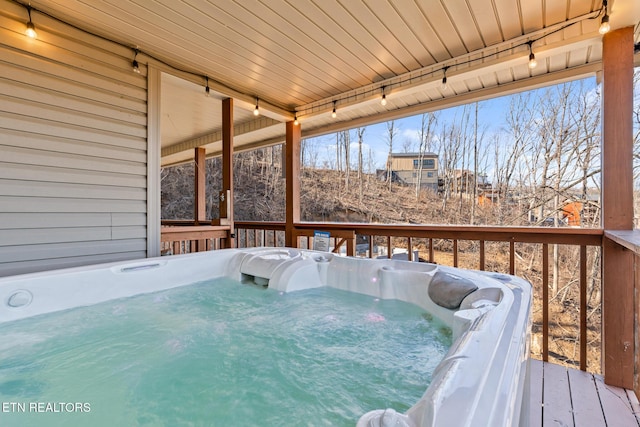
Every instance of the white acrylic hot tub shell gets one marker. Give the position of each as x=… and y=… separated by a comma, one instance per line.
x=480, y=382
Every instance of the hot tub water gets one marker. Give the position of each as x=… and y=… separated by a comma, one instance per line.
x=221, y=353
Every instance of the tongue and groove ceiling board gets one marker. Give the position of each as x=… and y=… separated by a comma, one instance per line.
x=301, y=55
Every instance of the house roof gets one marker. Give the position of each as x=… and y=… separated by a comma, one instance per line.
x=412, y=155
x=303, y=57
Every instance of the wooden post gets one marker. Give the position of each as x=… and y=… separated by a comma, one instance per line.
x=199, y=186
x=200, y=192
x=226, y=194
x=292, y=182
x=617, y=207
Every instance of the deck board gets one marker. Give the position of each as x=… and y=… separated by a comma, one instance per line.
x=557, y=409
x=635, y=405
x=585, y=401
x=615, y=405
x=535, y=390
x=560, y=396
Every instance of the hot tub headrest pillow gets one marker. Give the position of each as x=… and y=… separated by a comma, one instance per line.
x=448, y=290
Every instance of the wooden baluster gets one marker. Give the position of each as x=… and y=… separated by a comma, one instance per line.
x=431, y=255
x=583, y=308
x=455, y=252
x=512, y=257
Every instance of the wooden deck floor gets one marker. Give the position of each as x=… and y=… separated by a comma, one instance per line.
x=565, y=397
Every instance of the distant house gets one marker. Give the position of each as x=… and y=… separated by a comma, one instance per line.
x=409, y=168
x=463, y=181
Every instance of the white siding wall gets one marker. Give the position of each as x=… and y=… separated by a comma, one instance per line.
x=73, y=148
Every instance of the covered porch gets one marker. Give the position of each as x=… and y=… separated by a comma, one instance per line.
x=202, y=72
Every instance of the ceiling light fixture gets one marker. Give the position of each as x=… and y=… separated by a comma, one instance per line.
x=532, y=56
x=295, y=119
x=134, y=63
x=256, y=111
x=604, y=23
x=333, y=113
x=383, y=101
x=206, y=89
x=31, y=29
x=444, y=78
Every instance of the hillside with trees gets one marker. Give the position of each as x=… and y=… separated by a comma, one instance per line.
x=545, y=158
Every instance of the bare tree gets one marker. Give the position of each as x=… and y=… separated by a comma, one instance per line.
x=338, y=152
x=427, y=124
x=392, y=132
x=509, y=153
x=360, y=133
x=345, y=138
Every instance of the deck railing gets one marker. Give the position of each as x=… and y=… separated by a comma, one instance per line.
x=184, y=236
x=537, y=254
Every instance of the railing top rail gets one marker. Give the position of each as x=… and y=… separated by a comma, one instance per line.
x=629, y=239
x=181, y=229
x=561, y=235
x=260, y=225
x=185, y=222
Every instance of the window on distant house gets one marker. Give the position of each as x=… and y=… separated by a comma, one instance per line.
x=426, y=164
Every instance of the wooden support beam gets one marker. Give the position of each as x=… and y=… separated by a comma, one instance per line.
x=617, y=130
x=292, y=182
x=200, y=193
x=226, y=194
x=617, y=207
x=199, y=186
x=617, y=315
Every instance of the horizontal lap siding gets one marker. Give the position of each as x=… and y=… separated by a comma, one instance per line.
x=73, y=148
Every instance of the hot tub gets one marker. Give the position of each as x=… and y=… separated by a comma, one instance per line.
x=480, y=381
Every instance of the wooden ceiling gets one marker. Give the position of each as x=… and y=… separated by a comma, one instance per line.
x=305, y=56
